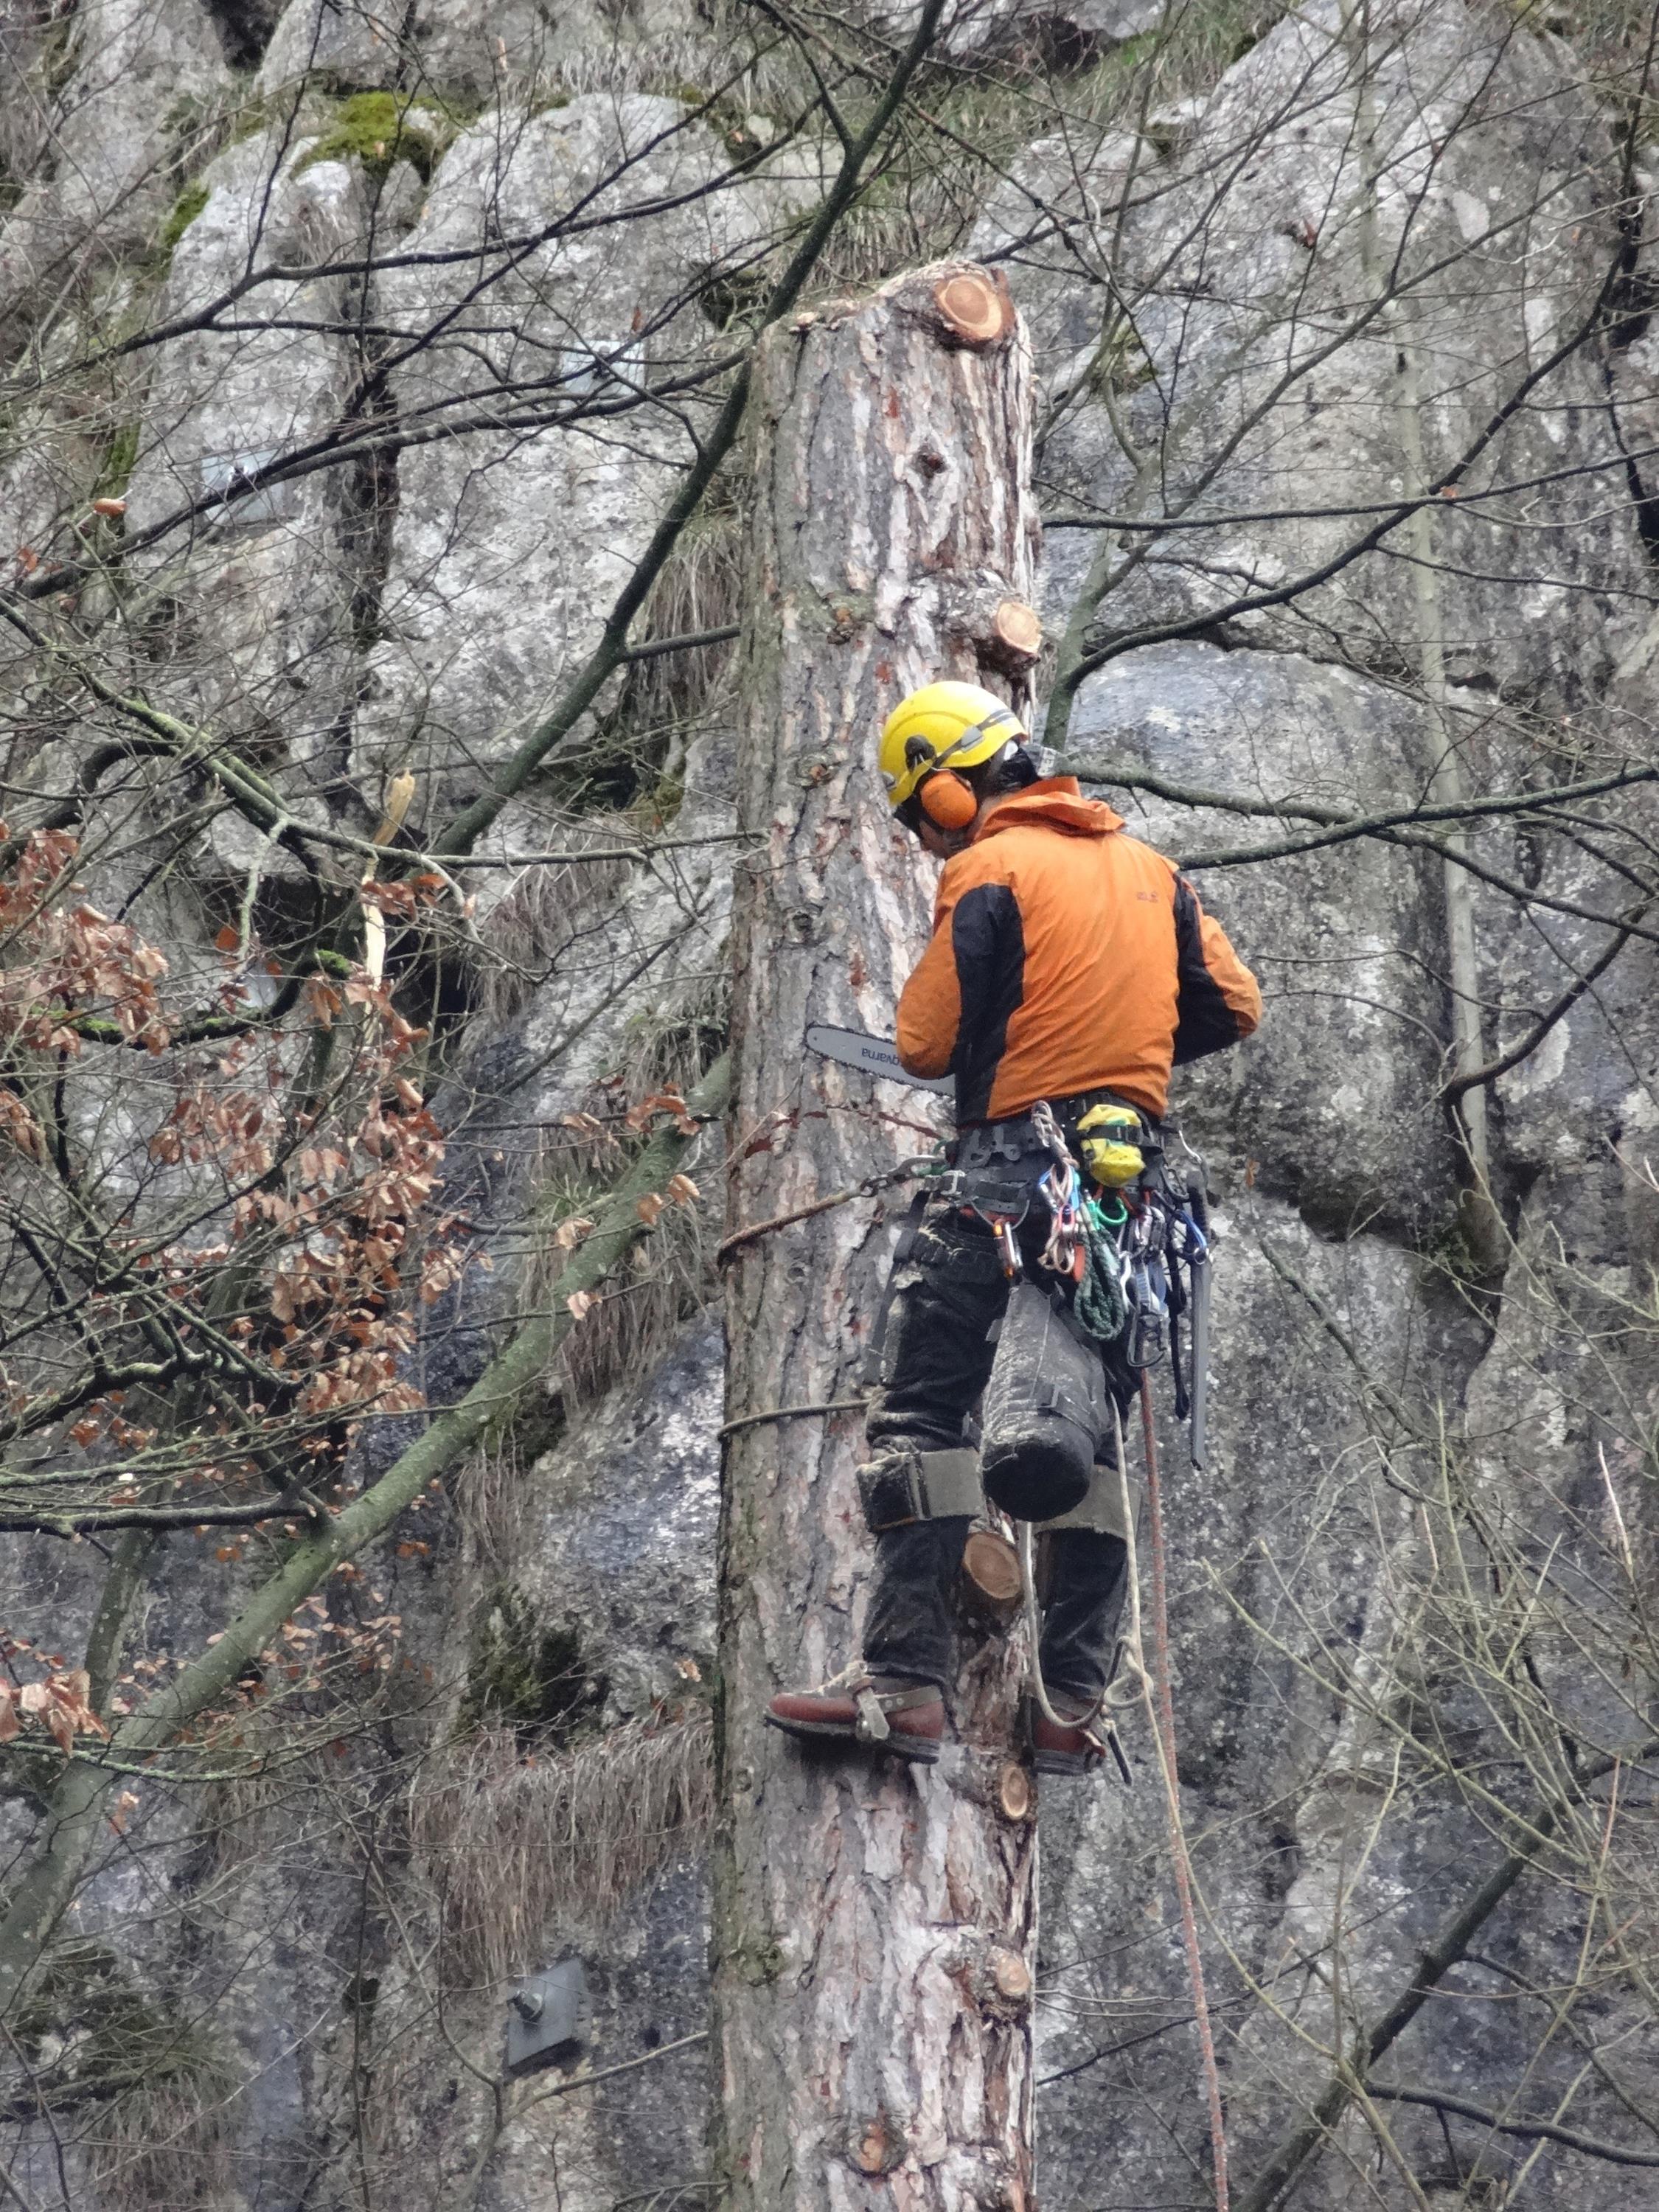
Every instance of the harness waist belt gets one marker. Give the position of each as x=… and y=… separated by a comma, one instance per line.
x=987, y=1142
x=1004, y=1196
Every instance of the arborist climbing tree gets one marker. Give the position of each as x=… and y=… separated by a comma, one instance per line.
x=1070, y=968
x=874, y=1919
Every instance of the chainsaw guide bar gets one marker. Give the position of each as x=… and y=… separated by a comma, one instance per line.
x=874, y=1054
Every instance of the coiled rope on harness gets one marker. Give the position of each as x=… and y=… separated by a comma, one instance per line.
x=1078, y=1224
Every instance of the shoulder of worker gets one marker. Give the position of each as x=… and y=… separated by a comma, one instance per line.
x=1055, y=804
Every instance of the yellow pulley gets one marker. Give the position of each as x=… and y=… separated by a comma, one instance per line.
x=1110, y=1151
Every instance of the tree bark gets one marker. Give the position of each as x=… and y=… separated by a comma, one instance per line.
x=874, y=1925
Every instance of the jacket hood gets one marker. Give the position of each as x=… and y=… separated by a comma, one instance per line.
x=1055, y=802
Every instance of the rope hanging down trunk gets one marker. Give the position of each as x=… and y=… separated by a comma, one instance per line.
x=1160, y=1710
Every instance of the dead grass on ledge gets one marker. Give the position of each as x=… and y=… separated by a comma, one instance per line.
x=515, y=1844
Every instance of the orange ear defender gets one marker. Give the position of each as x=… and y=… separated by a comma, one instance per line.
x=947, y=801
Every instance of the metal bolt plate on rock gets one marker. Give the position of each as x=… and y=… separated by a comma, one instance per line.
x=550, y=2017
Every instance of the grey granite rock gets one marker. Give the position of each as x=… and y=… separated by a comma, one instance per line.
x=624, y=1552
x=508, y=546
x=1333, y=1099
x=105, y=134
x=265, y=652
x=1240, y=248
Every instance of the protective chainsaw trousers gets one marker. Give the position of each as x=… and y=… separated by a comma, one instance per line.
x=947, y=1296
x=909, y=1629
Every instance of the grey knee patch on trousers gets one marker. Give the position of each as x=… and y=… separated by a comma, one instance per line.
x=1102, y=1509
x=903, y=1487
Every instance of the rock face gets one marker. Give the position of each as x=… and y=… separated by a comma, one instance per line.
x=257, y=635
x=508, y=549
x=134, y=68
x=1410, y=1595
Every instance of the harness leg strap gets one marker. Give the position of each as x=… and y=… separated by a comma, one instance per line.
x=905, y=1487
x=1102, y=1509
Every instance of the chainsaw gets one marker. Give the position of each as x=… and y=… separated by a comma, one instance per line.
x=875, y=1055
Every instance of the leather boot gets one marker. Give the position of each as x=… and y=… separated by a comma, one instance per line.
x=880, y=1713
x=1077, y=1745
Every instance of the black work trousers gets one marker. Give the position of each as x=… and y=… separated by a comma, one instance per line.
x=936, y=1360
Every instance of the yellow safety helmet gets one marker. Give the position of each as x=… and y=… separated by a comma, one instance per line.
x=943, y=725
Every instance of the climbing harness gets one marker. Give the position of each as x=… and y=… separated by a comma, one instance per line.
x=1126, y=1263
x=1136, y=1253
x=1137, y=1257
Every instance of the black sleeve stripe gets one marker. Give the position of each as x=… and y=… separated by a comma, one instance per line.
x=1204, y=1020
x=989, y=939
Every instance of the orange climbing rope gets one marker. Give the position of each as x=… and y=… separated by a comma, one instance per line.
x=1161, y=1711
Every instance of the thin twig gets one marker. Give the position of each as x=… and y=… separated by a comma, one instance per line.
x=1404, y=2093
x=625, y=2066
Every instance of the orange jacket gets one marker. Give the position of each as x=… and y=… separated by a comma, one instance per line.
x=1067, y=957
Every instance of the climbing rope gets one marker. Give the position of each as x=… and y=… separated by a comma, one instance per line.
x=1160, y=1711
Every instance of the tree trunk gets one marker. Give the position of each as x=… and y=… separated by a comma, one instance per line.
x=874, y=1925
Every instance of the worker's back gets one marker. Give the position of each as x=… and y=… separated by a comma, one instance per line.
x=1067, y=957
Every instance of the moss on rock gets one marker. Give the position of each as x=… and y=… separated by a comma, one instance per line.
x=522, y=1673
x=182, y=212
x=380, y=128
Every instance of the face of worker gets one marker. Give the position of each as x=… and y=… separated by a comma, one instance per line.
x=941, y=843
